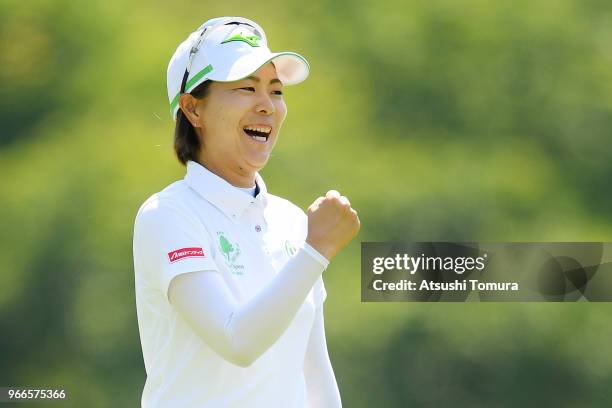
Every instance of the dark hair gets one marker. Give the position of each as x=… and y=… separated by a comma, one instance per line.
x=186, y=141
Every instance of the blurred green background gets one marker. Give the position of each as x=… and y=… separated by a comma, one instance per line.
x=440, y=120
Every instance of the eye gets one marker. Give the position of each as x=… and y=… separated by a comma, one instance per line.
x=277, y=92
x=248, y=88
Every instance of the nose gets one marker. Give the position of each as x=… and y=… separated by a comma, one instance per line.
x=265, y=106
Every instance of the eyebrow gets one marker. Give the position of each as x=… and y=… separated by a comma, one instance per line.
x=256, y=79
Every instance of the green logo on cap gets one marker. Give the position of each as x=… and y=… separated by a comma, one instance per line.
x=252, y=40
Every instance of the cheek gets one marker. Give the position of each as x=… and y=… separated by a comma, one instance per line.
x=219, y=120
x=281, y=111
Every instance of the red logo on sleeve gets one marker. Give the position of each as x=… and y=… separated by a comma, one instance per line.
x=182, y=253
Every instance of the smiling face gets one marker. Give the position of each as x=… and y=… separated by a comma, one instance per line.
x=238, y=124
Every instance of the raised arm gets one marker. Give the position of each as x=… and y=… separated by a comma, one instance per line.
x=242, y=333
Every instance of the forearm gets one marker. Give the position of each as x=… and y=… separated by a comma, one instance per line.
x=241, y=333
x=255, y=326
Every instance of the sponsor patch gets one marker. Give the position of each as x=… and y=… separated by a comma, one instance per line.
x=177, y=255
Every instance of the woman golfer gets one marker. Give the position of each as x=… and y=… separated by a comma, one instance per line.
x=228, y=276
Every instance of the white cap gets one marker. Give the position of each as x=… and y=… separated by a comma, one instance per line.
x=227, y=49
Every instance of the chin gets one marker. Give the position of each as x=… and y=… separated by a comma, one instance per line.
x=257, y=164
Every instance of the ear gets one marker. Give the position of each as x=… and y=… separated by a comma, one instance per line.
x=188, y=104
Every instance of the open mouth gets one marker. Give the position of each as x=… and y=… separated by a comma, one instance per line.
x=259, y=133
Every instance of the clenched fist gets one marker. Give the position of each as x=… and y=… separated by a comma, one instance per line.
x=332, y=223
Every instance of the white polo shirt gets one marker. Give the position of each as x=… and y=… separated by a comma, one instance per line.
x=204, y=223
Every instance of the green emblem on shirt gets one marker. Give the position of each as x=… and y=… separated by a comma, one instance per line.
x=289, y=248
x=231, y=252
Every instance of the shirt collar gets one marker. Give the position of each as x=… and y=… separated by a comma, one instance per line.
x=222, y=194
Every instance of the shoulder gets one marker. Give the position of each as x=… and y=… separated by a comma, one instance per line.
x=168, y=203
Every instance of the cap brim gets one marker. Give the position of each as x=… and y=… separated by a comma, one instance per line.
x=291, y=67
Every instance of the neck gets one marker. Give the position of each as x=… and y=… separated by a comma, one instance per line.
x=239, y=178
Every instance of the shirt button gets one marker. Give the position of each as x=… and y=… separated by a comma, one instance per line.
x=258, y=228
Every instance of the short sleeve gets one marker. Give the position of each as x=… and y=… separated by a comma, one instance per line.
x=168, y=242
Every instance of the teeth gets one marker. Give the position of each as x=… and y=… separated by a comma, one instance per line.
x=258, y=129
x=260, y=138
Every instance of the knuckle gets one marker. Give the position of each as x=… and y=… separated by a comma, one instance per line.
x=316, y=204
x=313, y=207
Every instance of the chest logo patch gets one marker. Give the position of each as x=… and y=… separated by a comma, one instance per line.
x=231, y=253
